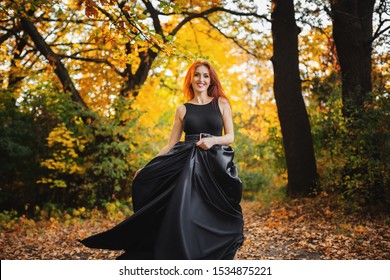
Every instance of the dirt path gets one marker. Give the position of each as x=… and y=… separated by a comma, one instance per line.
x=298, y=230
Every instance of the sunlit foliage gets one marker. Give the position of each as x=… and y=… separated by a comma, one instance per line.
x=55, y=151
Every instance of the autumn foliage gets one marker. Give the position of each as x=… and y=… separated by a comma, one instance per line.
x=88, y=90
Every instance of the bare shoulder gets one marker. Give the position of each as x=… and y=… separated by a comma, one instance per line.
x=224, y=104
x=181, y=111
x=223, y=101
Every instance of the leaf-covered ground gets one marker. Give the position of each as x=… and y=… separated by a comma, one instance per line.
x=299, y=229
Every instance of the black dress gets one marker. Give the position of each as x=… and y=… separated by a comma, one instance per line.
x=186, y=202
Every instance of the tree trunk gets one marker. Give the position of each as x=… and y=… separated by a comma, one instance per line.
x=352, y=33
x=294, y=122
x=135, y=81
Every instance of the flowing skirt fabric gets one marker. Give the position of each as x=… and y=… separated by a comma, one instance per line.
x=186, y=206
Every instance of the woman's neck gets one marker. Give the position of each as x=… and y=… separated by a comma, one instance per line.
x=201, y=98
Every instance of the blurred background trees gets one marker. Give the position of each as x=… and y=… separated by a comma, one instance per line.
x=88, y=90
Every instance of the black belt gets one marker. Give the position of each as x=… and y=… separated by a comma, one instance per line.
x=196, y=137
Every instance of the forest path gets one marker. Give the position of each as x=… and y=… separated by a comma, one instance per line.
x=300, y=229
x=303, y=230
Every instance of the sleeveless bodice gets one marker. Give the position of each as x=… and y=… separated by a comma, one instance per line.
x=206, y=118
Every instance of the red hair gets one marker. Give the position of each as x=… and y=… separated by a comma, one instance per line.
x=215, y=89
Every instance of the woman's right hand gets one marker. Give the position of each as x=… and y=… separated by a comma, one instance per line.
x=136, y=173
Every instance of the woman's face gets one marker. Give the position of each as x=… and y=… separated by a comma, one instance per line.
x=201, y=80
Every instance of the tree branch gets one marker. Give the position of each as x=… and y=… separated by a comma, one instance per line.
x=379, y=32
x=95, y=60
x=5, y=37
x=53, y=59
x=203, y=14
x=217, y=9
x=154, y=13
x=13, y=31
x=70, y=44
x=77, y=21
x=231, y=38
x=380, y=10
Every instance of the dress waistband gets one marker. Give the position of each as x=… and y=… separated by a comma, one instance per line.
x=196, y=137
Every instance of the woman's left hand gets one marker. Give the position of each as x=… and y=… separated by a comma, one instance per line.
x=206, y=143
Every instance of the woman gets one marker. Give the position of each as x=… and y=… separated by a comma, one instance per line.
x=186, y=200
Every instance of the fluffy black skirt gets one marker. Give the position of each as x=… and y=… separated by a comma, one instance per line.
x=186, y=206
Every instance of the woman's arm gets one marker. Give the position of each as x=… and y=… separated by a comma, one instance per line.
x=176, y=131
x=228, y=137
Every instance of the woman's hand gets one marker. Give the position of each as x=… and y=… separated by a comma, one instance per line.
x=136, y=173
x=206, y=143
